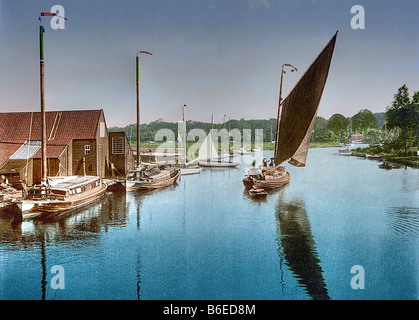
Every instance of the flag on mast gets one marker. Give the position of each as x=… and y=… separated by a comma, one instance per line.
x=146, y=52
x=51, y=14
x=289, y=65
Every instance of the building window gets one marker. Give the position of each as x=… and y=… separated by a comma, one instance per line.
x=117, y=145
x=87, y=149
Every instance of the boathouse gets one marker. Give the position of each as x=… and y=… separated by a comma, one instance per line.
x=121, y=155
x=355, y=138
x=77, y=144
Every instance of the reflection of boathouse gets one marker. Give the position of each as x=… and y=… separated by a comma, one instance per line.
x=77, y=144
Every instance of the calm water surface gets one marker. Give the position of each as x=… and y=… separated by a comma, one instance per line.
x=204, y=238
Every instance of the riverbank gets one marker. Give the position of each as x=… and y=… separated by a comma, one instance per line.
x=410, y=161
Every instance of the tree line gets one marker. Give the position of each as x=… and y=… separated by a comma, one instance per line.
x=336, y=128
x=397, y=128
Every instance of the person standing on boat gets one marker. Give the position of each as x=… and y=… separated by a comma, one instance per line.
x=25, y=189
x=265, y=162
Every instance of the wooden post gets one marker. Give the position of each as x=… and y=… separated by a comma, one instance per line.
x=84, y=166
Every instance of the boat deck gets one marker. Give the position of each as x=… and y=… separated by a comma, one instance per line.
x=66, y=183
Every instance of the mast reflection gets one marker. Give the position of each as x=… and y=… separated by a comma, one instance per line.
x=298, y=247
x=79, y=227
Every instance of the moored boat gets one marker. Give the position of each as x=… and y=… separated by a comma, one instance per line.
x=151, y=177
x=55, y=194
x=345, y=152
x=60, y=194
x=7, y=194
x=146, y=176
x=218, y=164
x=258, y=193
x=190, y=170
x=385, y=165
x=374, y=157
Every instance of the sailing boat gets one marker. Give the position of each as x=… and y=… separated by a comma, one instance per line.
x=208, y=155
x=185, y=169
x=295, y=122
x=147, y=176
x=55, y=194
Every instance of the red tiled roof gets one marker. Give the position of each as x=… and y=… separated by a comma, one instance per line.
x=6, y=150
x=62, y=127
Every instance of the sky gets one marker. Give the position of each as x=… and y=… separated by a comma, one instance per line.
x=220, y=57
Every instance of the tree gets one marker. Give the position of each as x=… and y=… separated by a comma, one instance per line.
x=319, y=130
x=338, y=124
x=363, y=120
x=404, y=115
x=401, y=98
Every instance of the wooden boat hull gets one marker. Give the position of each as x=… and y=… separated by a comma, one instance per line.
x=218, y=164
x=345, y=152
x=5, y=205
x=387, y=167
x=270, y=184
x=374, y=157
x=258, y=193
x=32, y=208
x=190, y=170
x=6, y=200
x=141, y=185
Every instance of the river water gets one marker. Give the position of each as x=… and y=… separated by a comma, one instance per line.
x=205, y=238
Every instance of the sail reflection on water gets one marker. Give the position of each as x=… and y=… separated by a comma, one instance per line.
x=296, y=244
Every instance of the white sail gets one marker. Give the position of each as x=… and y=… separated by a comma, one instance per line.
x=207, y=149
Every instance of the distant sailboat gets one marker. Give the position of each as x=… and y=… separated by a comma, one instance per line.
x=185, y=168
x=208, y=155
x=295, y=122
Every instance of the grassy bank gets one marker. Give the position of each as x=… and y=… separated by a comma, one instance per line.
x=410, y=160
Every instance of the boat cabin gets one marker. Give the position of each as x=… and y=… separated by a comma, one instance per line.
x=61, y=188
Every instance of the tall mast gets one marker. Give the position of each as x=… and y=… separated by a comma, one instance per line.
x=138, y=110
x=279, y=112
x=280, y=107
x=184, y=135
x=43, y=120
x=138, y=103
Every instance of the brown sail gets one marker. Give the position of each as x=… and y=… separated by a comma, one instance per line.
x=299, y=111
